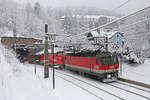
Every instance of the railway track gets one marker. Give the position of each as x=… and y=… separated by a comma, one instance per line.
x=112, y=85
x=129, y=91
x=61, y=74
x=81, y=87
x=92, y=86
x=133, y=87
x=135, y=82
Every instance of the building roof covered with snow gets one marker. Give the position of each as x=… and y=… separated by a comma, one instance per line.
x=113, y=37
x=103, y=34
x=90, y=17
x=56, y=50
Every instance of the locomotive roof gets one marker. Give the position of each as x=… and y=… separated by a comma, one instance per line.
x=106, y=54
x=91, y=54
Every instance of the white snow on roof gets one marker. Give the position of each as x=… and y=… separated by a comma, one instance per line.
x=103, y=34
x=111, y=17
x=95, y=33
x=78, y=16
x=8, y=34
x=98, y=16
x=49, y=50
x=110, y=34
x=91, y=16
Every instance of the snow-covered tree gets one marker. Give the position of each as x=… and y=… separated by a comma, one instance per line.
x=37, y=8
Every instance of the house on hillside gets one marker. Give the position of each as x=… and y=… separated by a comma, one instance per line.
x=115, y=39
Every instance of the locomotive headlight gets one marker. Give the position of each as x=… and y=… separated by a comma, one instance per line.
x=112, y=67
x=108, y=76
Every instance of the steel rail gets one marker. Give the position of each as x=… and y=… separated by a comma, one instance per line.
x=92, y=85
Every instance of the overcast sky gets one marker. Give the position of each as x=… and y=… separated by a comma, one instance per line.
x=130, y=7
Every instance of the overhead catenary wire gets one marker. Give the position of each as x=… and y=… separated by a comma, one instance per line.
x=119, y=19
x=114, y=21
x=121, y=5
x=147, y=19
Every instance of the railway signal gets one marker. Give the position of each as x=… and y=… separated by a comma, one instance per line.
x=46, y=65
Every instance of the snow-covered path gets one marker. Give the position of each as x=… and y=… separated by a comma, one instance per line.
x=16, y=83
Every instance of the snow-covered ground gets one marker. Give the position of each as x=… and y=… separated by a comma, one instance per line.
x=19, y=82
x=68, y=91
x=136, y=72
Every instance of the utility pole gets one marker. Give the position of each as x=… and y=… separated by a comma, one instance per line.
x=46, y=65
x=106, y=43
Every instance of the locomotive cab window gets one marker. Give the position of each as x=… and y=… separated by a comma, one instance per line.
x=96, y=61
x=109, y=60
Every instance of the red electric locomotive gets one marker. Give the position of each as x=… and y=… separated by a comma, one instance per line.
x=104, y=66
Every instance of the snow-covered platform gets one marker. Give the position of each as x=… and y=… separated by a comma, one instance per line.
x=140, y=73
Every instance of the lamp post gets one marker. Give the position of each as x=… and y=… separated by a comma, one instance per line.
x=35, y=60
x=52, y=39
x=35, y=57
x=53, y=66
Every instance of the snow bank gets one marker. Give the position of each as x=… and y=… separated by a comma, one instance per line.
x=137, y=72
x=18, y=83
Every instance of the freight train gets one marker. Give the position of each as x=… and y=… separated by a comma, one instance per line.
x=103, y=66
